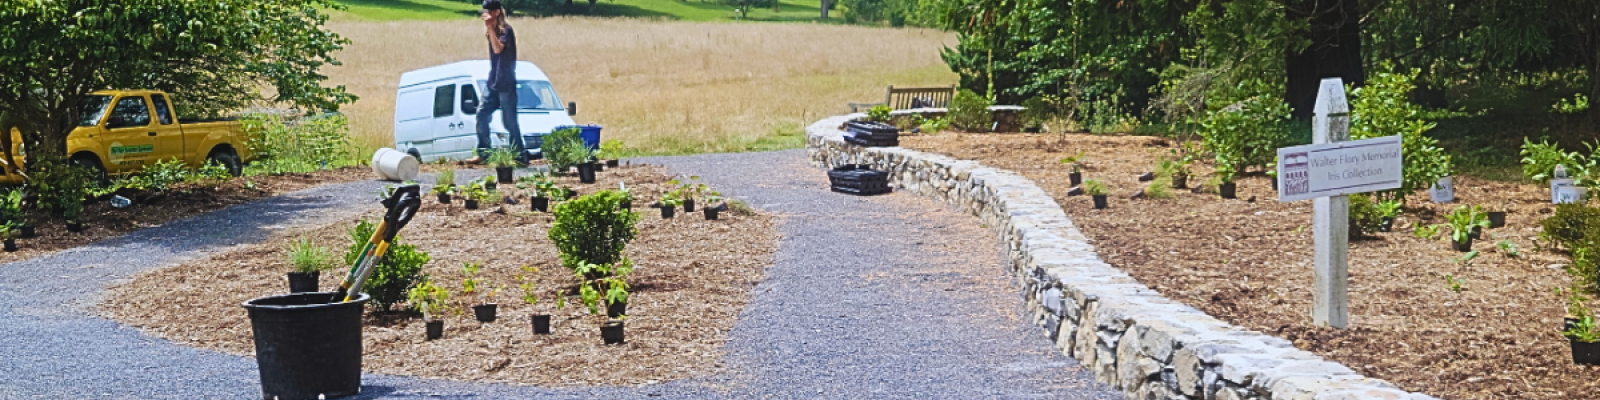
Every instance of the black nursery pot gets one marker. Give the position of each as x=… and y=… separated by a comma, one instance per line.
x=74, y=226
x=612, y=163
x=435, y=329
x=1464, y=246
x=1180, y=181
x=1076, y=178
x=626, y=204
x=27, y=232
x=614, y=310
x=490, y=186
x=1497, y=219
x=301, y=282
x=586, y=173
x=503, y=174
x=1568, y=323
x=485, y=312
x=612, y=332
x=1585, y=353
x=1476, y=233
x=1386, y=225
x=541, y=324
x=711, y=213
x=1228, y=190
x=688, y=205
x=666, y=212
x=471, y=204
x=540, y=204
x=1099, y=201
x=11, y=245
x=1274, y=182
x=444, y=198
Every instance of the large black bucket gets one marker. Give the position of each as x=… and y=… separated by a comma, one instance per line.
x=306, y=347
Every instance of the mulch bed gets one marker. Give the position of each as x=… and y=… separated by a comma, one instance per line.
x=102, y=221
x=1249, y=262
x=692, y=278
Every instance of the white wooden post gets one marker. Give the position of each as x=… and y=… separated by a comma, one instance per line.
x=1331, y=226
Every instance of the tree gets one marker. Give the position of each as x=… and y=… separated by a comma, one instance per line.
x=216, y=55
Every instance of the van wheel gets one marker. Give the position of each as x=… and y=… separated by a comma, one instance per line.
x=228, y=160
x=96, y=171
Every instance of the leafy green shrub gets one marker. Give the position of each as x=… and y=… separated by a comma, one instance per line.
x=970, y=111
x=1364, y=214
x=394, y=276
x=60, y=186
x=557, y=145
x=301, y=146
x=592, y=229
x=1572, y=225
x=1383, y=108
x=879, y=113
x=1539, y=160
x=867, y=10
x=1247, y=134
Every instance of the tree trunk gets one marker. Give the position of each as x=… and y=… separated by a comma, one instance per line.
x=1335, y=52
x=825, y=4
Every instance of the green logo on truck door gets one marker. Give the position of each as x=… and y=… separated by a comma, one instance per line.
x=143, y=148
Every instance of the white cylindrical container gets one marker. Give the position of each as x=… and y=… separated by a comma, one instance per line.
x=1443, y=191
x=394, y=165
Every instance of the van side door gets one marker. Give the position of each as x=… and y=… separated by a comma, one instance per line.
x=130, y=137
x=448, y=126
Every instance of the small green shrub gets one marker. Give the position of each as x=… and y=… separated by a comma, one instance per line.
x=1364, y=214
x=970, y=112
x=879, y=113
x=555, y=145
x=1383, y=108
x=1572, y=226
x=394, y=276
x=301, y=146
x=592, y=229
x=60, y=186
x=1463, y=219
x=1095, y=188
x=502, y=158
x=1247, y=135
x=428, y=299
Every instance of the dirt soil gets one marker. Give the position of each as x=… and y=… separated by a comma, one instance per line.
x=102, y=221
x=1248, y=261
x=692, y=278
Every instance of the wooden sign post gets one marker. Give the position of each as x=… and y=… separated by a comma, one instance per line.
x=1327, y=171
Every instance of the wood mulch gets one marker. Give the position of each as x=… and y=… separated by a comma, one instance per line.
x=692, y=278
x=102, y=221
x=1249, y=262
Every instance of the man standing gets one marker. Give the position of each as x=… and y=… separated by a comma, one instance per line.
x=502, y=85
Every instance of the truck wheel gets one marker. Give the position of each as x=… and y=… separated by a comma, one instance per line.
x=228, y=160
x=96, y=171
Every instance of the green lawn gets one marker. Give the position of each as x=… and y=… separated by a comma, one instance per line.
x=692, y=10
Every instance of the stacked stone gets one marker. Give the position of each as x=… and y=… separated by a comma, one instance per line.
x=1131, y=337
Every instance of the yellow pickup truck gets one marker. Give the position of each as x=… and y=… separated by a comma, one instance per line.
x=121, y=131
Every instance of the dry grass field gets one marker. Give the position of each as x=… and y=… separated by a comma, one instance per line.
x=661, y=87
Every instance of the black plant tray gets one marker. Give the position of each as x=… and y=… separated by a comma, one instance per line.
x=859, y=180
x=867, y=133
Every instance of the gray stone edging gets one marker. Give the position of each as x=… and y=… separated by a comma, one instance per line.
x=1131, y=337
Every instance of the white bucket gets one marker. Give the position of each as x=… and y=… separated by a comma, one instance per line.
x=1443, y=191
x=394, y=165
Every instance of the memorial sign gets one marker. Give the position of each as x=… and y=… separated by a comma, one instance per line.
x=1339, y=168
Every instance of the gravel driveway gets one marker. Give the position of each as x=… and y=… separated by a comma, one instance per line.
x=877, y=297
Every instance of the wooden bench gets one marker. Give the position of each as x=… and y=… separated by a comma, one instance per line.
x=909, y=98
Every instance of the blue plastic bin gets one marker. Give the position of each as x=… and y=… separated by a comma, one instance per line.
x=589, y=133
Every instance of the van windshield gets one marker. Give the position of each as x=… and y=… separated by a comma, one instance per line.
x=533, y=95
x=91, y=108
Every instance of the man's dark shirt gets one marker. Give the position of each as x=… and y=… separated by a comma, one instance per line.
x=502, y=67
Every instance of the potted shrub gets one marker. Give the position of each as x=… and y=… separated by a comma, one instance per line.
x=583, y=158
x=475, y=193
x=308, y=260
x=1076, y=176
x=1098, y=191
x=712, y=206
x=1576, y=308
x=1226, y=187
x=541, y=322
x=504, y=161
x=610, y=151
x=669, y=205
x=11, y=211
x=1177, y=170
x=686, y=191
x=1584, y=337
x=444, y=185
x=590, y=233
x=484, y=310
x=1463, y=220
x=72, y=210
x=430, y=300
x=8, y=232
x=611, y=290
x=627, y=196
x=1387, y=211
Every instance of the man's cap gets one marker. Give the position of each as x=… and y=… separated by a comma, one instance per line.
x=491, y=4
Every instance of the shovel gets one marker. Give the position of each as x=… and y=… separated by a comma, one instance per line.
x=402, y=205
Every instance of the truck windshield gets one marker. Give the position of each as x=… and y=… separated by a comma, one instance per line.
x=533, y=95
x=92, y=108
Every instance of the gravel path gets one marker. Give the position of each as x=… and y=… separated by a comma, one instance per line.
x=879, y=297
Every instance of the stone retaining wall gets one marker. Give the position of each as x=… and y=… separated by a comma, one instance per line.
x=1131, y=337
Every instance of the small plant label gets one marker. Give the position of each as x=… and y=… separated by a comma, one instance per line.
x=1339, y=168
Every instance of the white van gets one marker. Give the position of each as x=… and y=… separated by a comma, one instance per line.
x=435, y=110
